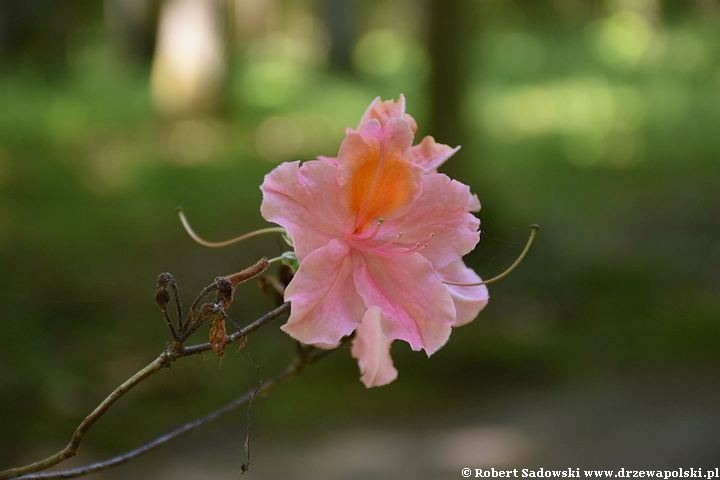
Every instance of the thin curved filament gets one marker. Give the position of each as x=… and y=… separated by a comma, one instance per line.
x=533, y=231
x=225, y=243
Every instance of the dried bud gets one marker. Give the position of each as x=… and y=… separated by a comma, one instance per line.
x=164, y=279
x=224, y=292
x=162, y=296
x=225, y=286
x=218, y=337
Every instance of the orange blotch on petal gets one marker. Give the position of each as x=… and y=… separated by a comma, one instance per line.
x=378, y=179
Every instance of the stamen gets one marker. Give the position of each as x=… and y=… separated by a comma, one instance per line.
x=225, y=243
x=374, y=232
x=533, y=231
x=386, y=244
x=383, y=247
x=396, y=253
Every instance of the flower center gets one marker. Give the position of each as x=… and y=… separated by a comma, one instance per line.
x=371, y=241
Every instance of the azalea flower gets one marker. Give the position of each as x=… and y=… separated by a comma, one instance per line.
x=377, y=232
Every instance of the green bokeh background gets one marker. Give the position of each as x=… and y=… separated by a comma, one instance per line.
x=602, y=127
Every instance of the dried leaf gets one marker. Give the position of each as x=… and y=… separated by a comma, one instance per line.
x=218, y=337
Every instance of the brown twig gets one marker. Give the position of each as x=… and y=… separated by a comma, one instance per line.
x=70, y=450
x=240, y=334
x=305, y=357
x=170, y=355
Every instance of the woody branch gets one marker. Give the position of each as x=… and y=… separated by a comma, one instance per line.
x=180, y=330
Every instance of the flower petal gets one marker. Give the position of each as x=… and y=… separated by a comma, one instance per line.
x=384, y=111
x=430, y=154
x=372, y=351
x=332, y=160
x=439, y=218
x=416, y=306
x=469, y=301
x=303, y=199
x=325, y=306
x=377, y=179
x=473, y=204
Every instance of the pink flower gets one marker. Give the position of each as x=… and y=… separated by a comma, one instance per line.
x=377, y=231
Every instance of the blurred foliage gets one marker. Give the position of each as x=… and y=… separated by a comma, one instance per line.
x=600, y=126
